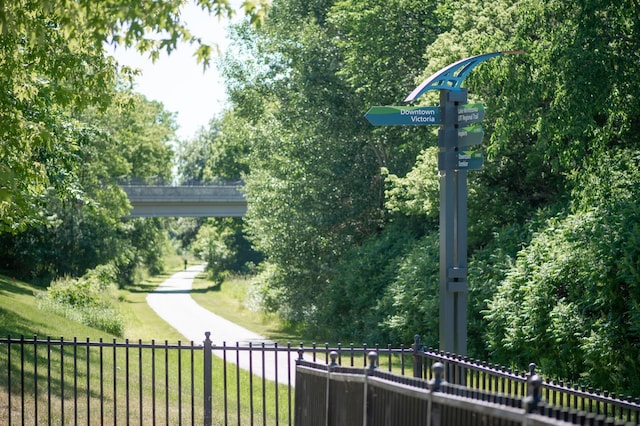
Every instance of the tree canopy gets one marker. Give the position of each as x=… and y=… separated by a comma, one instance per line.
x=53, y=65
x=70, y=126
x=346, y=214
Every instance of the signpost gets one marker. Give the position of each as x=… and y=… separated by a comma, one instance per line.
x=458, y=138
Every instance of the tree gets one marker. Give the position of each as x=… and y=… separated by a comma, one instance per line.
x=54, y=65
x=214, y=244
x=83, y=227
x=35, y=108
x=143, y=132
x=314, y=182
x=192, y=155
x=571, y=299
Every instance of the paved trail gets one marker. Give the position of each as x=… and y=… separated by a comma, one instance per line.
x=172, y=301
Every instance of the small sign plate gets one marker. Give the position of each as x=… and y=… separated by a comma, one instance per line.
x=470, y=160
x=470, y=135
x=470, y=113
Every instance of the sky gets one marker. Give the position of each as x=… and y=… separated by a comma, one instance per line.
x=178, y=81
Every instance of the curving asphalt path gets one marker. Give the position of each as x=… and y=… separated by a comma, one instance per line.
x=172, y=301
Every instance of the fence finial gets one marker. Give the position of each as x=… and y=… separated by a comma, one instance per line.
x=534, y=391
x=334, y=357
x=438, y=372
x=416, y=343
x=373, y=360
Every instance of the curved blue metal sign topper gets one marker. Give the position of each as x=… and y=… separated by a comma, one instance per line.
x=452, y=76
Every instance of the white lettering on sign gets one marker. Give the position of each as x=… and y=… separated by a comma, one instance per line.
x=468, y=117
x=423, y=119
x=463, y=164
x=462, y=133
x=464, y=157
x=467, y=110
x=417, y=112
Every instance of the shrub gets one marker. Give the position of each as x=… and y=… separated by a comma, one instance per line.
x=571, y=300
x=89, y=299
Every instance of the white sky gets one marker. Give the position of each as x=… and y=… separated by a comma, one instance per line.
x=177, y=80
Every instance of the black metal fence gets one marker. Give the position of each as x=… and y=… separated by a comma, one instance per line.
x=480, y=375
x=336, y=395
x=57, y=381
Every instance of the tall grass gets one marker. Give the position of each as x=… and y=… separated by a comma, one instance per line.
x=90, y=299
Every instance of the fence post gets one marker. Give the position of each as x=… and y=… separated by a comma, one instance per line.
x=534, y=391
x=369, y=370
x=207, y=379
x=433, y=413
x=417, y=357
x=327, y=408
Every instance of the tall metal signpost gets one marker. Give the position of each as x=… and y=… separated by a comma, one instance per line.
x=458, y=137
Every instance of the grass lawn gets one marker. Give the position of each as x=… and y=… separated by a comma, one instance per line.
x=19, y=315
x=229, y=300
x=134, y=380
x=141, y=321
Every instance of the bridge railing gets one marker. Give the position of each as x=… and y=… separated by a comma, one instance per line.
x=161, y=181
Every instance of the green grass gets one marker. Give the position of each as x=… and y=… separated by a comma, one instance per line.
x=19, y=316
x=229, y=300
x=141, y=321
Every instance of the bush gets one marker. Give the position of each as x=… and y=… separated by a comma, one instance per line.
x=411, y=300
x=352, y=304
x=90, y=299
x=571, y=301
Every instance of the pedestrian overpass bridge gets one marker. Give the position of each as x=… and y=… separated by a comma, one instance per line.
x=186, y=201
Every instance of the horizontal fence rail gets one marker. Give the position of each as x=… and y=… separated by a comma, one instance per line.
x=493, y=378
x=335, y=395
x=58, y=381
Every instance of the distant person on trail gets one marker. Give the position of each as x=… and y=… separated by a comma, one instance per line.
x=185, y=264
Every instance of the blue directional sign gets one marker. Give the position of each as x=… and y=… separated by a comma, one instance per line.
x=470, y=160
x=470, y=113
x=470, y=135
x=403, y=116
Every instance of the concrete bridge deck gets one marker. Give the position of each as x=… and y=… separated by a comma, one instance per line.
x=186, y=201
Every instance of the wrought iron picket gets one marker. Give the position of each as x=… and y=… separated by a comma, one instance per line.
x=58, y=381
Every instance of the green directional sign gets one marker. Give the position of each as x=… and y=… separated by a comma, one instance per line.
x=470, y=135
x=403, y=116
x=470, y=160
x=470, y=113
